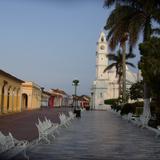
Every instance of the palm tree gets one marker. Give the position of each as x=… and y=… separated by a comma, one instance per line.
x=118, y=34
x=133, y=17
x=118, y=64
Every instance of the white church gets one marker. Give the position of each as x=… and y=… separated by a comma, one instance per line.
x=106, y=84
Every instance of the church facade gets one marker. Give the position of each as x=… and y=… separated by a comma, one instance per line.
x=106, y=85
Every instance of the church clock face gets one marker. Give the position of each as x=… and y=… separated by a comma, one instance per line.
x=102, y=47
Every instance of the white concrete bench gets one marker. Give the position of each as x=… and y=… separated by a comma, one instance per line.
x=10, y=147
x=71, y=115
x=139, y=121
x=64, y=120
x=125, y=117
x=46, y=129
x=52, y=126
x=130, y=117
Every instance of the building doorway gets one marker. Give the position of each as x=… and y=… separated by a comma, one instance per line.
x=24, y=101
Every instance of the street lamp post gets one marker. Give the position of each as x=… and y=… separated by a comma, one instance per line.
x=75, y=83
x=91, y=102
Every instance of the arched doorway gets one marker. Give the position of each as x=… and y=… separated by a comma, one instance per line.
x=24, y=101
x=4, y=87
x=2, y=99
x=9, y=94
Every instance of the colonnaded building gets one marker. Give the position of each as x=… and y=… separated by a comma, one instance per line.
x=106, y=84
x=17, y=95
x=10, y=93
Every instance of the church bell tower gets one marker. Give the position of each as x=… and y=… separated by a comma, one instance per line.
x=99, y=87
x=101, y=57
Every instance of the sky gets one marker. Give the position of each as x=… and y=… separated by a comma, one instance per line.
x=51, y=42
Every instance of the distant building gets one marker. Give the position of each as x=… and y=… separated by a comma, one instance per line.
x=10, y=93
x=51, y=100
x=31, y=95
x=45, y=98
x=106, y=84
x=84, y=101
x=58, y=98
x=66, y=100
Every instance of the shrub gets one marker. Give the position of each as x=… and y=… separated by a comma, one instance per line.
x=116, y=107
x=135, y=108
x=136, y=91
x=138, y=111
x=111, y=101
x=127, y=108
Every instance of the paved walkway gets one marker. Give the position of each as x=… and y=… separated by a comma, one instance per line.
x=100, y=135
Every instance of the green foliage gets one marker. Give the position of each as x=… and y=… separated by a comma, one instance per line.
x=138, y=108
x=127, y=108
x=138, y=104
x=117, y=62
x=138, y=111
x=114, y=103
x=133, y=17
x=116, y=107
x=150, y=64
x=135, y=108
x=111, y=101
x=136, y=91
x=155, y=120
x=153, y=107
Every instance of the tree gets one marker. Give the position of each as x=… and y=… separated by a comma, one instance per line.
x=150, y=66
x=133, y=17
x=118, y=34
x=118, y=64
x=136, y=91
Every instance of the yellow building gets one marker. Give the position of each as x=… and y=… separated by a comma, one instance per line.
x=10, y=93
x=31, y=95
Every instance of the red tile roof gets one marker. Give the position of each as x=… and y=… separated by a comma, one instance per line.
x=58, y=91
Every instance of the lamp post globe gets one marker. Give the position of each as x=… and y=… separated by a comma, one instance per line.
x=75, y=83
